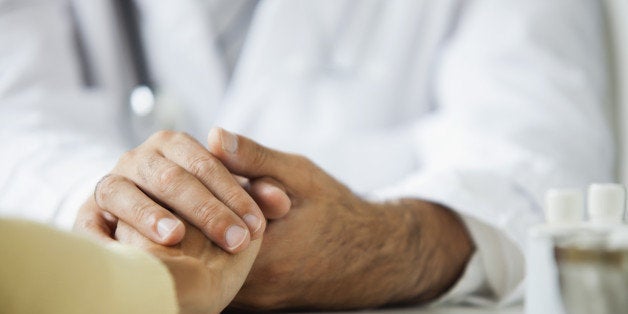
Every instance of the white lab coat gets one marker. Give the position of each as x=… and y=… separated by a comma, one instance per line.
x=479, y=105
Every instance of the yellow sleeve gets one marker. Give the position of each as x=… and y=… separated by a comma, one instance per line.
x=45, y=270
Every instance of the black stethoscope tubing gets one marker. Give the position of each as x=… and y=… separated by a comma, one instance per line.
x=129, y=17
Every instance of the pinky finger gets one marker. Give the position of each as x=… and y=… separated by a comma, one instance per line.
x=93, y=221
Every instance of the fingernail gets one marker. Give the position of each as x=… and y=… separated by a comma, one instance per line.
x=253, y=222
x=228, y=141
x=165, y=226
x=235, y=236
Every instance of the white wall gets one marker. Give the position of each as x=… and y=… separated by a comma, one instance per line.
x=617, y=12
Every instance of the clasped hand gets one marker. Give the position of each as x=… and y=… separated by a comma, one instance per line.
x=330, y=249
x=171, y=173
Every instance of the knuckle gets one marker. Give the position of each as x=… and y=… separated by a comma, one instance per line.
x=170, y=178
x=203, y=166
x=206, y=213
x=161, y=136
x=181, y=136
x=148, y=167
x=142, y=213
x=127, y=157
x=106, y=188
x=234, y=199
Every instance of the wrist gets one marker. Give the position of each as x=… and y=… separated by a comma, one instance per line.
x=442, y=248
x=431, y=245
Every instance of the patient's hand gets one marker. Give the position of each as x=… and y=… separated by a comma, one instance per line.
x=206, y=277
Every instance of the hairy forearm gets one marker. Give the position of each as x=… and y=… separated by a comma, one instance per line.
x=334, y=250
x=408, y=251
x=439, y=247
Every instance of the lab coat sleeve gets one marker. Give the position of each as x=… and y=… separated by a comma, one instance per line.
x=520, y=108
x=45, y=270
x=57, y=136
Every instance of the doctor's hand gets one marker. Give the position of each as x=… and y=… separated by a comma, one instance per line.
x=334, y=250
x=172, y=173
x=206, y=278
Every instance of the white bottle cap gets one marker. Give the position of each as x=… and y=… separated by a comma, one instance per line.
x=605, y=203
x=564, y=206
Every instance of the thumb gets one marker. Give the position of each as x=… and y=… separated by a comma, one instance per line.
x=244, y=157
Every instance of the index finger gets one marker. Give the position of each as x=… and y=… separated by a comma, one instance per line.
x=189, y=154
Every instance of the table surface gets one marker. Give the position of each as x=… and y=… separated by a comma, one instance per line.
x=442, y=310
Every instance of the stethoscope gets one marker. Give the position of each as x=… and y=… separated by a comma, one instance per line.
x=150, y=108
